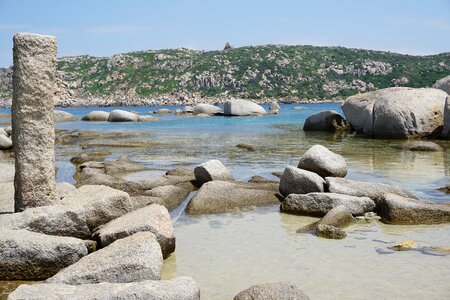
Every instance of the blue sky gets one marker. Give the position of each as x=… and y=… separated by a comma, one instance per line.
x=105, y=27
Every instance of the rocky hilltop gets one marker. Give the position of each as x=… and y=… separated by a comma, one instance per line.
x=183, y=76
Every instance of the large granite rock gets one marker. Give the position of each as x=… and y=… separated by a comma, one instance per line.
x=119, y=115
x=238, y=107
x=33, y=120
x=7, y=172
x=134, y=258
x=5, y=142
x=320, y=160
x=395, y=209
x=272, y=291
x=170, y=196
x=397, y=112
x=206, y=109
x=97, y=116
x=274, y=107
x=318, y=204
x=180, y=288
x=223, y=196
x=212, y=170
x=100, y=204
x=52, y=220
x=446, y=129
x=327, y=120
x=153, y=218
x=298, y=181
x=26, y=255
x=443, y=84
x=372, y=190
x=64, y=188
x=64, y=116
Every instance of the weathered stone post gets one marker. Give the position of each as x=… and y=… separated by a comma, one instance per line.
x=33, y=120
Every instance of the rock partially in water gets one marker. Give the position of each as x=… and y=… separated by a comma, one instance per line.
x=298, y=181
x=224, y=196
x=395, y=209
x=404, y=246
x=327, y=120
x=180, y=288
x=26, y=255
x=339, y=216
x=445, y=189
x=318, y=204
x=246, y=147
x=100, y=204
x=330, y=232
x=131, y=259
x=275, y=291
x=421, y=146
x=89, y=156
x=181, y=172
x=148, y=119
x=162, y=111
x=122, y=166
x=119, y=115
x=53, y=220
x=274, y=107
x=207, y=109
x=63, y=116
x=212, y=170
x=397, y=112
x=368, y=217
x=97, y=116
x=320, y=160
x=153, y=218
x=260, y=179
x=170, y=196
x=372, y=190
x=5, y=142
x=238, y=107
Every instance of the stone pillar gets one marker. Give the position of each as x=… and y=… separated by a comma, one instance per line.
x=33, y=120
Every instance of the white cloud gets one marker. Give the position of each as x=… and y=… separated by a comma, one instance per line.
x=117, y=29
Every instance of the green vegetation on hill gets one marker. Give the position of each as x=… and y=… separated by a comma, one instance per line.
x=302, y=72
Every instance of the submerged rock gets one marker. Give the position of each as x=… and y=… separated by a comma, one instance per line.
x=134, y=258
x=153, y=218
x=26, y=255
x=100, y=203
x=275, y=291
x=298, y=181
x=246, y=147
x=404, y=246
x=320, y=160
x=318, y=204
x=330, y=232
x=372, y=190
x=421, y=146
x=223, y=196
x=96, y=115
x=394, y=209
x=180, y=288
x=239, y=107
x=397, y=112
x=212, y=170
x=327, y=120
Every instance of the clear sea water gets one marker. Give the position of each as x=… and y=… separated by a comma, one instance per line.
x=226, y=253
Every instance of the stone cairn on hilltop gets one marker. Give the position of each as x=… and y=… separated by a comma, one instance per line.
x=228, y=46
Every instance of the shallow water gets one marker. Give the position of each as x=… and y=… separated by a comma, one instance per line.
x=229, y=252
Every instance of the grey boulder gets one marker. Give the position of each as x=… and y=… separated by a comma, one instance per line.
x=134, y=258
x=272, y=291
x=53, y=220
x=372, y=190
x=153, y=218
x=238, y=107
x=180, y=288
x=5, y=142
x=320, y=160
x=119, y=115
x=443, y=84
x=212, y=170
x=339, y=216
x=395, y=209
x=223, y=196
x=63, y=116
x=97, y=116
x=298, y=181
x=26, y=255
x=330, y=232
x=397, y=112
x=327, y=120
x=100, y=203
x=318, y=204
x=206, y=109
x=171, y=196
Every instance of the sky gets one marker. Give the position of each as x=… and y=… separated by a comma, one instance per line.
x=107, y=27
